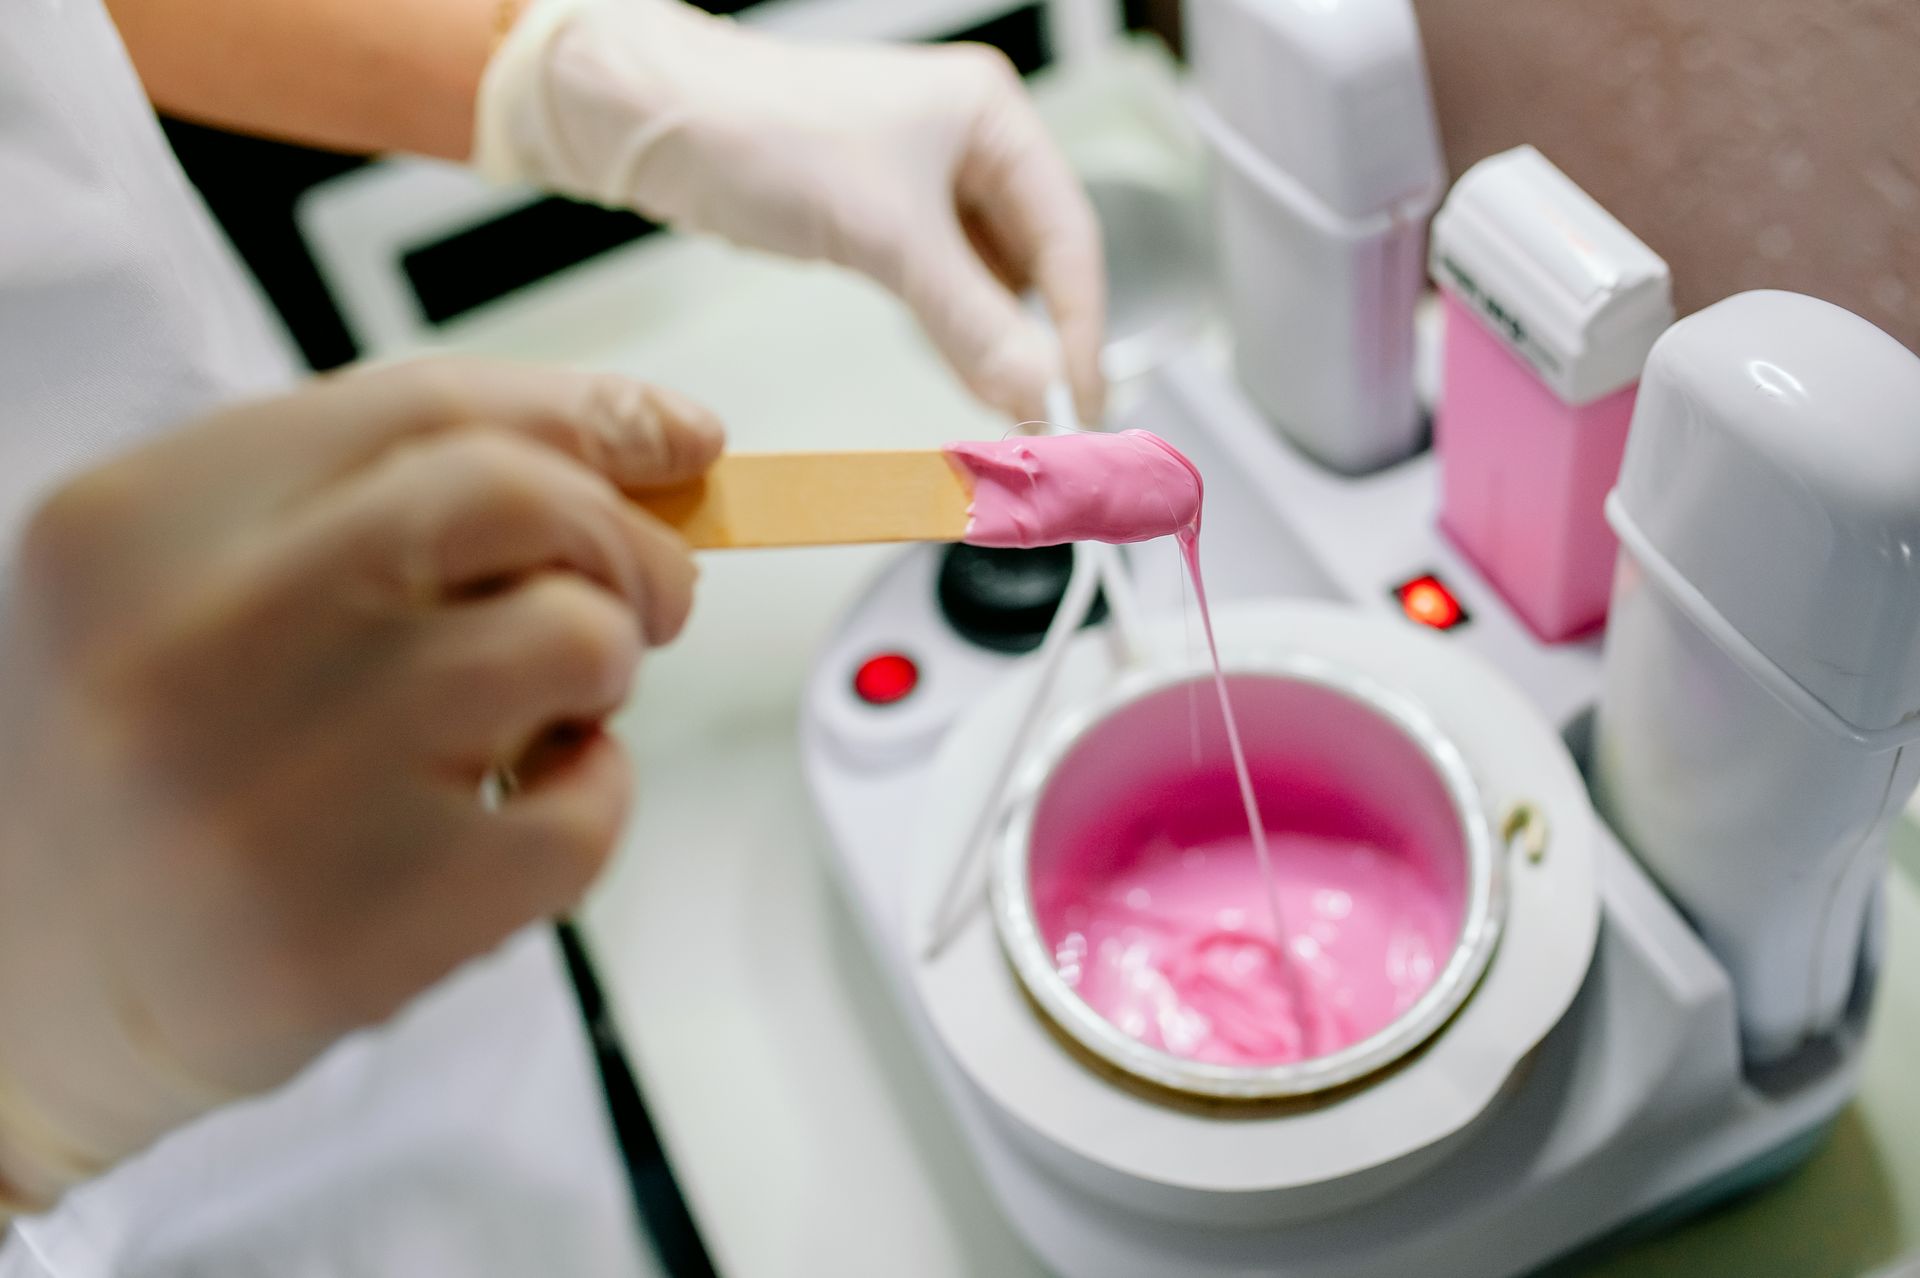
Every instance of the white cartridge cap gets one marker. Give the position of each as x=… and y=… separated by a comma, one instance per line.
x=1772, y=487
x=1551, y=273
x=1331, y=93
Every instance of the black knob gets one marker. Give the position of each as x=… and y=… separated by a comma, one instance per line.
x=1005, y=599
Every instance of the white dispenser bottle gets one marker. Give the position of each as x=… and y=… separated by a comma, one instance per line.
x=1756, y=733
x=1326, y=164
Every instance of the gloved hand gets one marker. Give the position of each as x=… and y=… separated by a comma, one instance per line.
x=924, y=167
x=254, y=675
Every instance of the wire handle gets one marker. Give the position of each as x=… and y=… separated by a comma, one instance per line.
x=1098, y=568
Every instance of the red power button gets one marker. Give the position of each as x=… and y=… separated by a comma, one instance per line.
x=886, y=678
x=1427, y=600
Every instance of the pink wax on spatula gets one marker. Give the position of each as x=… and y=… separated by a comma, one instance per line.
x=1049, y=489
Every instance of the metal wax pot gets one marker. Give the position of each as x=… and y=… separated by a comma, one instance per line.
x=1319, y=740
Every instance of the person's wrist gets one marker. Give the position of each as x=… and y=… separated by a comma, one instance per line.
x=505, y=14
x=509, y=108
x=38, y=1161
x=87, y=1078
x=580, y=94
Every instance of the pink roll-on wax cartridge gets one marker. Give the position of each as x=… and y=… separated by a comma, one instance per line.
x=1550, y=306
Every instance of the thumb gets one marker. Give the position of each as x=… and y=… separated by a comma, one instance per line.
x=1005, y=358
x=636, y=435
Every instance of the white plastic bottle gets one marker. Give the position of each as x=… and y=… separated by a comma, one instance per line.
x=1758, y=730
x=1326, y=165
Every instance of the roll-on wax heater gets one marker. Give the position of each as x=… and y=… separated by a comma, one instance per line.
x=1550, y=309
x=1326, y=164
x=1758, y=728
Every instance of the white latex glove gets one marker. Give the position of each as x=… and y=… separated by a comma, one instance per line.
x=254, y=675
x=925, y=167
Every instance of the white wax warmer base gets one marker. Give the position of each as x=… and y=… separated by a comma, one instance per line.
x=1150, y=1155
x=1632, y=1111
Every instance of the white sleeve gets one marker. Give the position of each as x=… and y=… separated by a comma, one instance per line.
x=468, y=1136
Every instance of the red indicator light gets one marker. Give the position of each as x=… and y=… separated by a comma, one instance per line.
x=885, y=679
x=1428, y=601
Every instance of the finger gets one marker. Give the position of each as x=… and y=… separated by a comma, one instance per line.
x=1020, y=190
x=1004, y=358
x=553, y=754
x=538, y=854
x=1011, y=274
x=494, y=873
x=638, y=436
x=488, y=680
x=469, y=513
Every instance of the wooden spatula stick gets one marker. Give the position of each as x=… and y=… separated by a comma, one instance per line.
x=818, y=499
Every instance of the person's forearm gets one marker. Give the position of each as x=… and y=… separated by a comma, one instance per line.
x=355, y=75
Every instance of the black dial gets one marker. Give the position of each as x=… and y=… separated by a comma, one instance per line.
x=1005, y=599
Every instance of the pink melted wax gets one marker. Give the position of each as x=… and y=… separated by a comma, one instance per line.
x=1162, y=942
x=1180, y=938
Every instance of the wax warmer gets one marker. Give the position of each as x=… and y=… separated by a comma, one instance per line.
x=1594, y=1075
x=1142, y=781
x=1425, y=750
